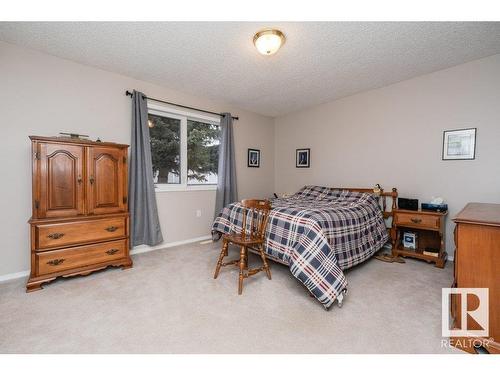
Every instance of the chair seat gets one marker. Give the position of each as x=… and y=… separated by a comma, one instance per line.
x=237, y=239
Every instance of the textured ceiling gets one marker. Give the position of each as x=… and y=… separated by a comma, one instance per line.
x=318, y=63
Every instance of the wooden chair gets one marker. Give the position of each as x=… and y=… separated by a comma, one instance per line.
x=252, y=237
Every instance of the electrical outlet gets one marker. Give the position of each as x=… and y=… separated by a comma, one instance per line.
x=198, y=213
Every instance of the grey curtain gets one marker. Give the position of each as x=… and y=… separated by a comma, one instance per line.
x=226, y=186
x=144, y=223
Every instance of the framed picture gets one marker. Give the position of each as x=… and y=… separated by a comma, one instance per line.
x=253, y=158
x=303, y=158
x=459, y=144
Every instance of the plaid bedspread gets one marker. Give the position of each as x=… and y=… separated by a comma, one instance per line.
x=318, y=232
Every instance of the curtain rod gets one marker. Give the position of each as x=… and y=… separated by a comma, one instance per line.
x=128, y=93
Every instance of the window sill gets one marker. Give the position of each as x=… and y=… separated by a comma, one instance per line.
x=166, y=189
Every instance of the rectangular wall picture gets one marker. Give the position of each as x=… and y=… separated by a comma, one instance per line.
x=459, y=144
x=303, y=158
x=253, y=158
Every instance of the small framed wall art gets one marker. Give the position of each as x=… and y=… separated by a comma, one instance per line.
x=253, y=158
x=459, y=144
x=303, y=158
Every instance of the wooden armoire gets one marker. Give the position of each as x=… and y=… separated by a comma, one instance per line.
x=80, y=219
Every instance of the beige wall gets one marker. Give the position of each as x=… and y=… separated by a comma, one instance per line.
x=43, y=95
x=393, y=136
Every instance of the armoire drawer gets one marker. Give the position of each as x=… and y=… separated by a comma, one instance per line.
x=49, y=236
x=60, y=260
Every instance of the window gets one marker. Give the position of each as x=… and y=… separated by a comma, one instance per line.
x=184, y=149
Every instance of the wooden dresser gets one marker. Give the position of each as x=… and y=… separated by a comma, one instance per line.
x=80, y=219
x=477, y=265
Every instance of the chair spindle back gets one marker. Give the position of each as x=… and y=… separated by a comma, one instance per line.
x=258, y=211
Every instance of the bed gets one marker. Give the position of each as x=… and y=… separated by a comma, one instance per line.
x=319, y=232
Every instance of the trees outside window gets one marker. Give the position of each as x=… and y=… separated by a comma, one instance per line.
x=202, y=152
x=165, y=137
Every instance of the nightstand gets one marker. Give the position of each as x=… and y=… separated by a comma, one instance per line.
x=430, y=229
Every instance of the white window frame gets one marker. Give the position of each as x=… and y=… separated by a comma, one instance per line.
x=183, y=115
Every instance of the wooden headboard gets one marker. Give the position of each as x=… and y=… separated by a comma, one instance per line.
x=382, y=198
x=383, y=205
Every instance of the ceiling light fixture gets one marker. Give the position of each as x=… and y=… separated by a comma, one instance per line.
x=268, y=41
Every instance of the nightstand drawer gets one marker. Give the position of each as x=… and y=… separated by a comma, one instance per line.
x=418, y=220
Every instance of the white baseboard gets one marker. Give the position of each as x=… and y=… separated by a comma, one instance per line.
x=12, y=276
x=145, y=248
x=136, y=250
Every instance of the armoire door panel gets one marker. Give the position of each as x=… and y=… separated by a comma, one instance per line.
x=61, y=175
x=106, y=188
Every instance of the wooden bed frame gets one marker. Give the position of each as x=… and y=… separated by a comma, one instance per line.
x=383, y=205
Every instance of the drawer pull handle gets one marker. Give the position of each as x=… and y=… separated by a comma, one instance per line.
x=55, y=262
x=111, y=229
x=112, y=251
x=55, y=236
x=416, y=220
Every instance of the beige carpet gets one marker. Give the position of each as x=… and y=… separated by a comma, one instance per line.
x=169, y=303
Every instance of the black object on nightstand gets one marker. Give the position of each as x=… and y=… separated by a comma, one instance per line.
x=408, y=204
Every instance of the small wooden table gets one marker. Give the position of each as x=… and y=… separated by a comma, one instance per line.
x=430, y=229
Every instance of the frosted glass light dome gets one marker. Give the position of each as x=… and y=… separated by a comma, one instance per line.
x=268, y=42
